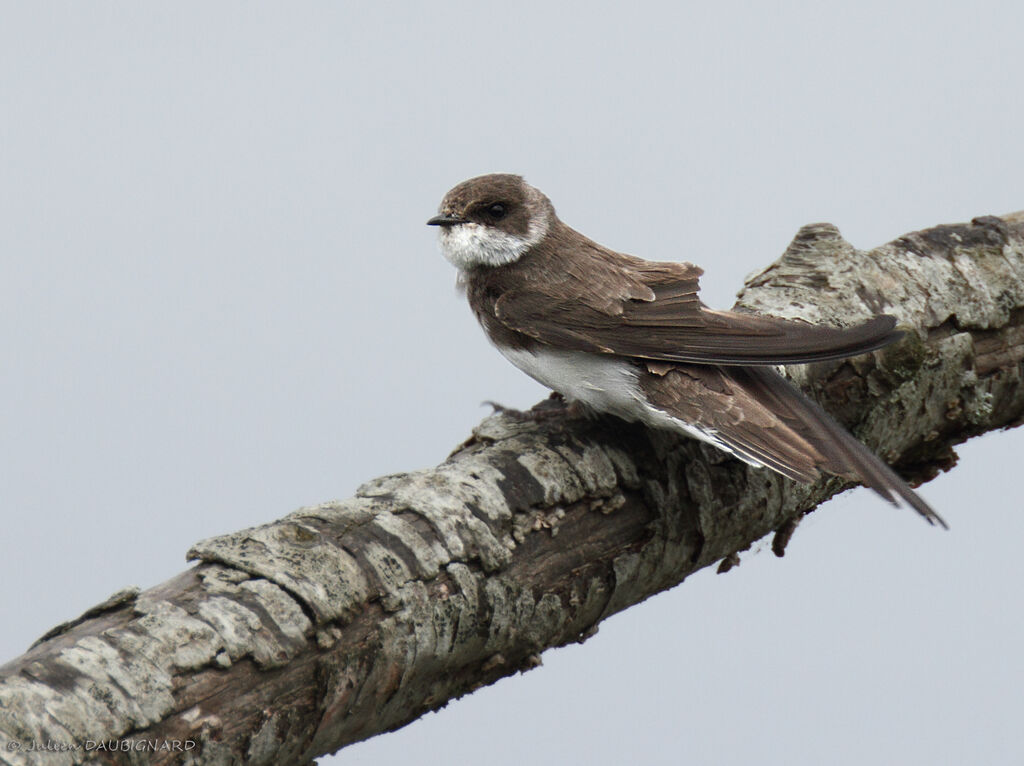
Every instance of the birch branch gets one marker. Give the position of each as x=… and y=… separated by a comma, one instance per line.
x=347, y=619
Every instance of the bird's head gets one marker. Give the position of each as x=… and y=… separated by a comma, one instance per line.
x=491, y=220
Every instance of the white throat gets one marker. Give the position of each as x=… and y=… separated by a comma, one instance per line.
x=472, y=244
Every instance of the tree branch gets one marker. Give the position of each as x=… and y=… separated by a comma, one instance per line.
x=350, y=618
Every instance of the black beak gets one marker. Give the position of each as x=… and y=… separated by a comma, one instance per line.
x=446, y=220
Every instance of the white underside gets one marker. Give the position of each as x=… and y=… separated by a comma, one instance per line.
x=607, y=384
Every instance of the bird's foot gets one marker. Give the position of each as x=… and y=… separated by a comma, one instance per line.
x=526, y=416
x=552, y=408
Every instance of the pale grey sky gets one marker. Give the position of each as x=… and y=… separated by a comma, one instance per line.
x=219, y=302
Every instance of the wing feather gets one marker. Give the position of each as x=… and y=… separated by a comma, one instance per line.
x=608, y=302
x=760, y=416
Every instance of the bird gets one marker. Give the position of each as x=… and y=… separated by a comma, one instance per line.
x=621, y=335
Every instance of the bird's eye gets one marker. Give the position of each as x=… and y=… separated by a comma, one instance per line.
x=496, y=211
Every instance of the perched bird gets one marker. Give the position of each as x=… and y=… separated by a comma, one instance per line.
x=631, y=338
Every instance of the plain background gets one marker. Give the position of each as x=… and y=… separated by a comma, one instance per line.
x=219, y=302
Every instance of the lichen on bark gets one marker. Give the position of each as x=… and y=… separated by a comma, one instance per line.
x=350, y=618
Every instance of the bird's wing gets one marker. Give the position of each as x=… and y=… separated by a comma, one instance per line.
x=622, y=305
x=760, y=417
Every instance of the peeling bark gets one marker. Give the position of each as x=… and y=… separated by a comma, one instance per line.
x=350, y=618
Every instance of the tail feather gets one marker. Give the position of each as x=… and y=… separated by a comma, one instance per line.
x=840, y=452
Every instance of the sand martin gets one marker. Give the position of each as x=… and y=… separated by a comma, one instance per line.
x=631, y=338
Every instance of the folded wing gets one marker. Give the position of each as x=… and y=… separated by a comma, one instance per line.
x=622, y=305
